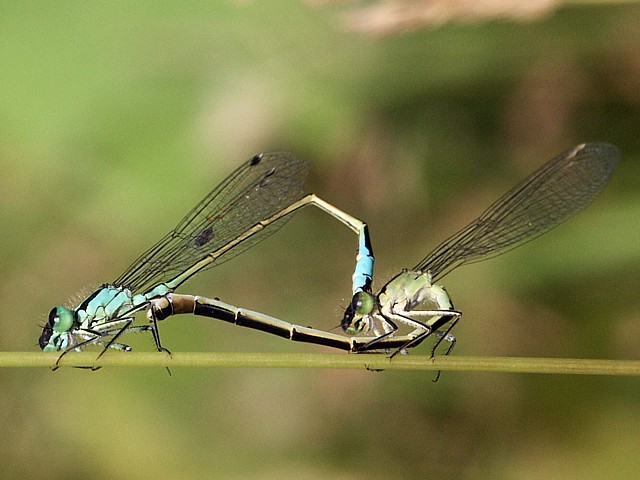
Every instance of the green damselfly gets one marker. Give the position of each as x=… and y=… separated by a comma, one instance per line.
x=549, y=196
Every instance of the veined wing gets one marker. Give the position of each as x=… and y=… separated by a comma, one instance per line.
x=549, y=196
x=258, y=189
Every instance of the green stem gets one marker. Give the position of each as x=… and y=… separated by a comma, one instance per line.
x=324, y=360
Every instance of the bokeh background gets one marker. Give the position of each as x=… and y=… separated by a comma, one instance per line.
x=116, y=118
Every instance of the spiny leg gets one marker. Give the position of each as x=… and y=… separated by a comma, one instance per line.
x=441, y=317
x=370, y=344
x=112, y=342
x=422, y=329
x=445, y=336
x=88, y=341
x=156, y=334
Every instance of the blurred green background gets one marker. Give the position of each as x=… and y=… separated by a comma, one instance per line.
x=116, y=118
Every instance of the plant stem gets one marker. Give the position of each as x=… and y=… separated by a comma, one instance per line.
x=320, y=360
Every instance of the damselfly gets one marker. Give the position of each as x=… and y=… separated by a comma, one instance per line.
x=250, y=204
x=549, y=196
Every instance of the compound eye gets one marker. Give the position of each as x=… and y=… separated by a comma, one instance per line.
x=356, y=316
x=362, y=303
x=60, y=319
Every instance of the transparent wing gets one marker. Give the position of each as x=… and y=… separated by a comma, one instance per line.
x=549, y=196
x=256, y=190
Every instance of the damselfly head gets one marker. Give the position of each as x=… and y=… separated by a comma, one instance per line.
x=356, y=314
x=54, y=335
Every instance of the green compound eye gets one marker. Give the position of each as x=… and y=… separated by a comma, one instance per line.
x=362, y=303
x=61, y=319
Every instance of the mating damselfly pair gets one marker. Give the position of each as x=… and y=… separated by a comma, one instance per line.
x=260, y=196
